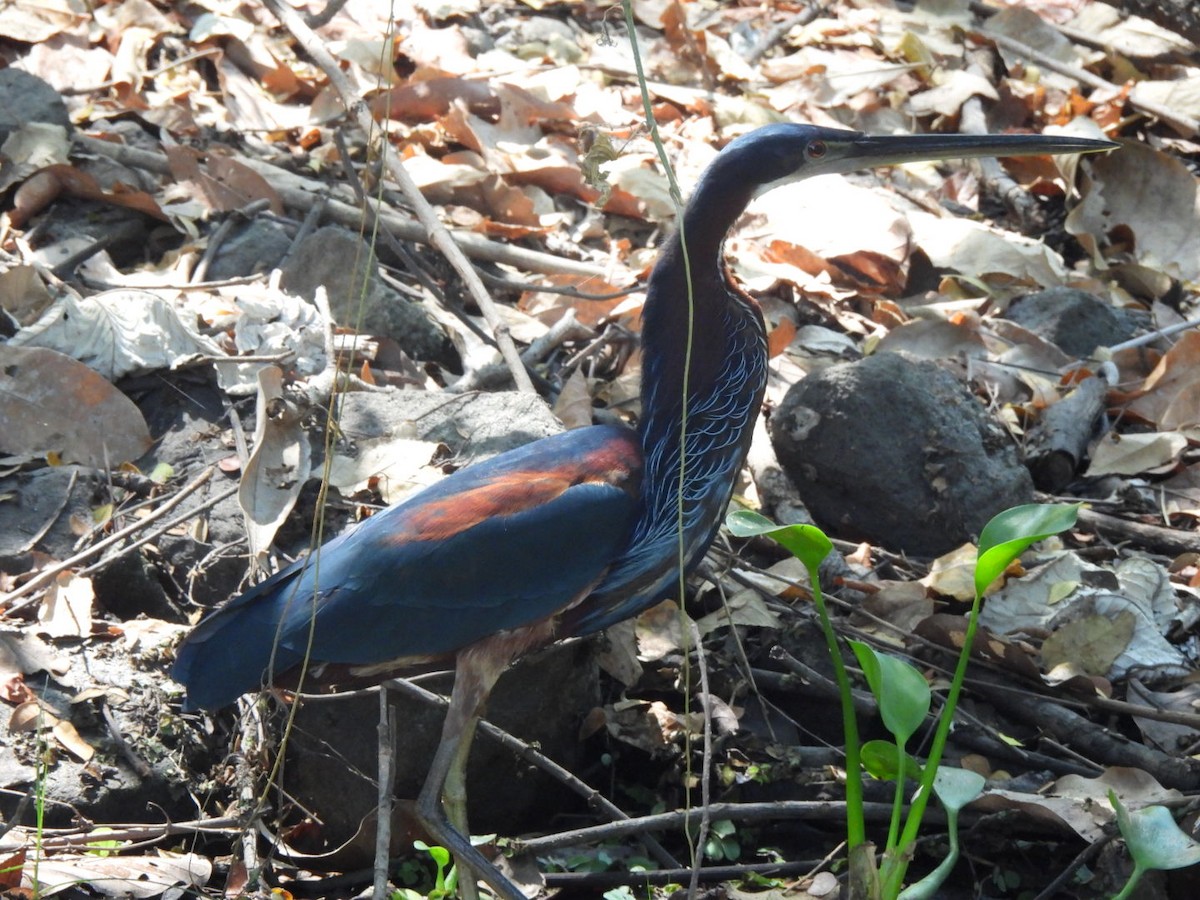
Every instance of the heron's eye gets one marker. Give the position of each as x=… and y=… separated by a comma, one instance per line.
x=816, y=150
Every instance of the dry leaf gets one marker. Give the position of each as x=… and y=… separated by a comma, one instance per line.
x=66, y=610
x=51, y=403
x=278, y=466
x=1133, y=454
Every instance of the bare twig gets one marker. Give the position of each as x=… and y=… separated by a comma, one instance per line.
x=138, y=764
x=387, y=778
x=807, y=810
x=48, y=574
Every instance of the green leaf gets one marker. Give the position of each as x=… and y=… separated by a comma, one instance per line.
x=1007, y=535
x=955, y=788
x=807, y=543
x=1153, y=838
x=879, y=759
x=901, y=690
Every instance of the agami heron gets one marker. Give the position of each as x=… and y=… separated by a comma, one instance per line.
x=569, y=534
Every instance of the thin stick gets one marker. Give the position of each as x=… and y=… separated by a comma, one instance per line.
x=387, y=779
x=47, y=575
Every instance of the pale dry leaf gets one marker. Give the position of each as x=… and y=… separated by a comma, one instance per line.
x=953, y=574
x=954, y=87
x=140, y=877
x=1135, y=788
x=34, y=23
x=1170, y=737
x=659, y=631
x=66, y=608
x=395, y=465
x=1128, y=35
x=1134, y=454
x=1027, y=27
x=66, y=734
x=1034, y=603
x=23, y=294
x=978, y=250
x=745, y=608
x=936, y=339
x=1181, y=493
x=23, y=653
x=33, y=146
x=1088, y=645
x=279, y=464
x=118, y=332
x=618, y=655
x=1084, y=817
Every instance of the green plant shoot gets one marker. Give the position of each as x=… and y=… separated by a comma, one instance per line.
x=1154, y=842
x=904, y=699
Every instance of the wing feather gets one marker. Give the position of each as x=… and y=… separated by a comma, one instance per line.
x=496, y=546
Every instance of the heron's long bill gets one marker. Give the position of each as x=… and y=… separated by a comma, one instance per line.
x=884, y=150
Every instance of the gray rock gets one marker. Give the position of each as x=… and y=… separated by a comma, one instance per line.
x=1078, y=322
x=28, y=98
x=897, y=452
x=257, y=246
x=473, y=426
x=339, y=260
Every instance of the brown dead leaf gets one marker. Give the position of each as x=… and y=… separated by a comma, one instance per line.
x=65, y=734
x=10, y=870
x=950, y=632
x=901, y=604
x=30, y=716
x=427, y=99
x=548, y=307
x=223, y=184
x=52, y=403
x=649, y=726
x=46, y=185
x=574, y=404
x=1171, y=392
x=1154, y=196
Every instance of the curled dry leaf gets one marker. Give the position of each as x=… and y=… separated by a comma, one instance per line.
x=279, y=464
x=48, y=184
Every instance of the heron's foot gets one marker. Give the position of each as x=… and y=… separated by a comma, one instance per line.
x=471, y=863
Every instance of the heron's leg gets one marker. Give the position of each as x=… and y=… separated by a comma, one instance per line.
x=454, y=802
x=474, y=677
